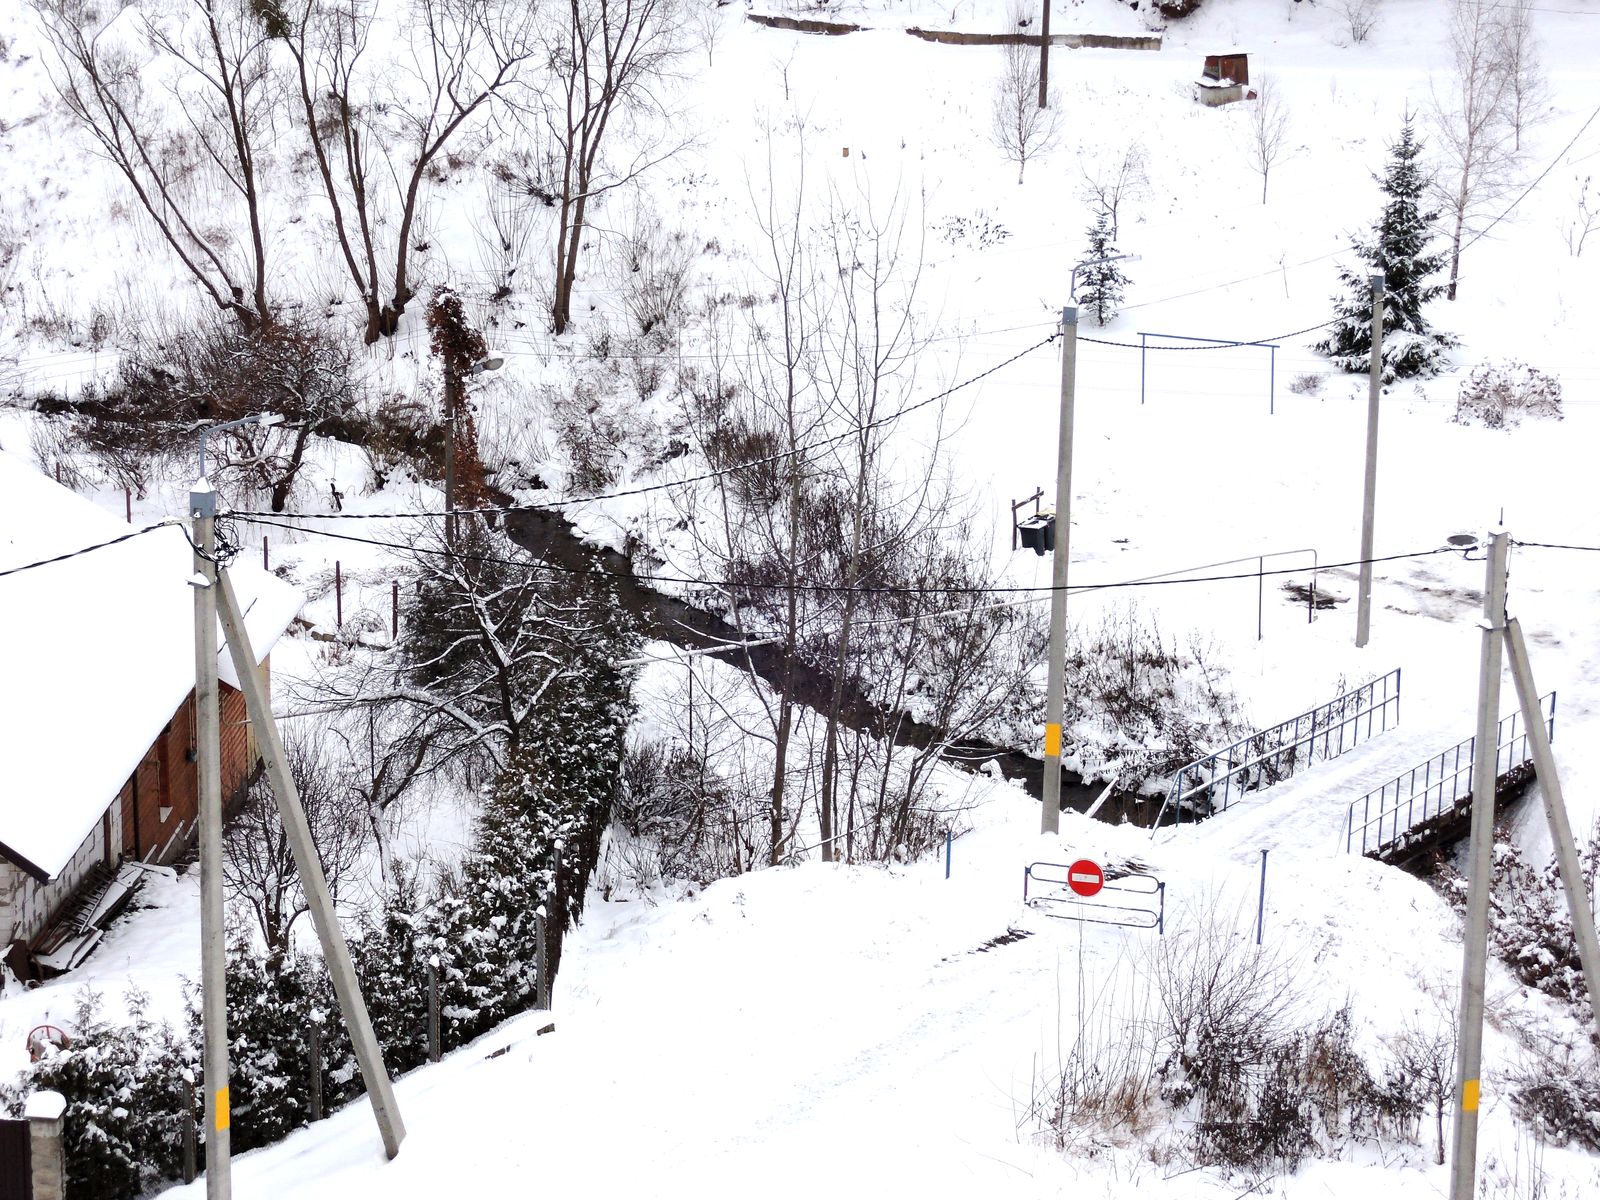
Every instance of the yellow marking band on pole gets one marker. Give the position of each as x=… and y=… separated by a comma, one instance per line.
x=1052, y=741
x=222, y=1109
x=1469, y=1096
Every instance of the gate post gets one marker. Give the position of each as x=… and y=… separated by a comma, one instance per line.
x=43, y=1112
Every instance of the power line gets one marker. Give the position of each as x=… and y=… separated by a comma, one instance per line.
x=127, y=537
x=673, y=483
x=1553, y=546
x=821, y=588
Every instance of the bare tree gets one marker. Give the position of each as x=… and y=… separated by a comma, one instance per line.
x=377, y=138
x=1360, y=18
x=258, y=863
x=1586, y=217
x=1476, y=136
x=1268, y=136
x=1022, y=128
x=1519, y=51
x=610, y=62
x=1427, y=1057
x=1105, y=187
x=224, y=97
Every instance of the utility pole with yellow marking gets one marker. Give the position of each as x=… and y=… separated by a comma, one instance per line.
x=1050, y=818
x=1485, y=773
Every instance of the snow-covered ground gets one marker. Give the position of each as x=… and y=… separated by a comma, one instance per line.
x=832, y=1027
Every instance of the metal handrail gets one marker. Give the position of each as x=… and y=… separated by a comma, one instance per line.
x=1446, y=779
x=1271, y=755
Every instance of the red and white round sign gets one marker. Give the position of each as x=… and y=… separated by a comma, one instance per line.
x=1086, y=878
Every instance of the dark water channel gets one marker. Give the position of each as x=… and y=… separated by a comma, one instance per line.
x=550, y=536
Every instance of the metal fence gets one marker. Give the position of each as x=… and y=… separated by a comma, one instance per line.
x=1209, y=785
x=1383, y=817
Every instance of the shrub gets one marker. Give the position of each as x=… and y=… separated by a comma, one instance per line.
x=125, y=1087
x=1309, y=384
x=1498, y=396
x=1560, y=1100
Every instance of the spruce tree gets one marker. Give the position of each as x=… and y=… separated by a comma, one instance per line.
x=1101, y=290
x=1398, y=248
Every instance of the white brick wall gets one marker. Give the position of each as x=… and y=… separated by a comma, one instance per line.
x=26, y=904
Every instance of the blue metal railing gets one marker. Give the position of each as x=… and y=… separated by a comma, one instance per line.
x=1384, y=817
x=1209, y=785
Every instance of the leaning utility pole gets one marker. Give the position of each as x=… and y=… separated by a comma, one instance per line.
x=1044, y=56
x=1050, y=818
x=1369, y=494
x=1555, y=812
x=208, y=769
x=369, y=1055
x=1485, y=760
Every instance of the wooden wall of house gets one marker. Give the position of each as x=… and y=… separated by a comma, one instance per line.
x=160, y=802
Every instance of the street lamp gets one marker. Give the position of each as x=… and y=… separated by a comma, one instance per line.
x=263, y=419
x=1050, y=817
x=452, y=388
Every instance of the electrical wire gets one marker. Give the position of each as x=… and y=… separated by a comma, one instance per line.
x=820, y=588
x=1554, y=546
x=116, y=541
x=701, y=478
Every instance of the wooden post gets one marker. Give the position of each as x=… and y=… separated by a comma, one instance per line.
x=338, y=595
x=394, y=611
x=188, y=1133
x=266, y=565
x=127, y=504
x=433, y=1013
x=314, y=1046
x=541, y=961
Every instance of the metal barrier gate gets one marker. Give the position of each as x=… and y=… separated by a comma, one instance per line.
x=1132, y=884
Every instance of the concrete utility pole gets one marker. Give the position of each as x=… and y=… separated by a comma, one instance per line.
x=1485, y=755
x=1369, y=494
x=1044, y=56
x=208, y=769
x=1555, y=811
x=1050, y=818
x=369, y=1055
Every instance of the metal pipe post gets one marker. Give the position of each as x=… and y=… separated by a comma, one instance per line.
x=1469, y=1055
x=1555, y=811
x=1044, y=55
x=208, y=771
x=335, y=953
x=1050, y=818
x=1261, y=899
x=1370, y=490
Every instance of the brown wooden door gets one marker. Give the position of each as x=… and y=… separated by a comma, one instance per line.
x=16, y=1161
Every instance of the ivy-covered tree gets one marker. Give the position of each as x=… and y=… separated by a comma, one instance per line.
x=1102, y=282
x=1399, y=249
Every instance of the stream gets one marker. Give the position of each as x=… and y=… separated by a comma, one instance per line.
x=550, y=536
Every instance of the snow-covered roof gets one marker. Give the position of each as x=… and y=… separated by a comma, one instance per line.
x=96, y=654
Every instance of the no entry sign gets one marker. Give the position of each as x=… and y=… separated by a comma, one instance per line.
x=1085, y=877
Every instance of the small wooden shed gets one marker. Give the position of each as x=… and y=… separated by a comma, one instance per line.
x=1232, y=67
x=1224, y=78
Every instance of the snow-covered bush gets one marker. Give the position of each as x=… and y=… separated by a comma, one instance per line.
x=126, y=1084
x=1560, y=1099
x=1137, y=705
x=1499, y=395
x=1219, y=1037
x=272, y=1002
x=1529, y=927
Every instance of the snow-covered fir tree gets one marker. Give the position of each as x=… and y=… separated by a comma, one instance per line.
x=1398, y=248
x=1102, y=283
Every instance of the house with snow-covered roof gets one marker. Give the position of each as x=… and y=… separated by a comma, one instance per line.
x=98, y=778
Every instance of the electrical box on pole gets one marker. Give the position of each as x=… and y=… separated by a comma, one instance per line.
x=1038, y=532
